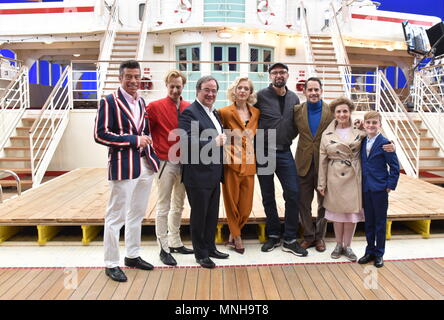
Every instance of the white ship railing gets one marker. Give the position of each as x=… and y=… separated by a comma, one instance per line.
x=398, y=125
x=363, y=91
x=143, y=32
x=307, y=42
x=430, y=108
x=341, y=52
x=13, y=104
x=8, y=68
x=108, y=42
x=433, y=76
x=48, y=128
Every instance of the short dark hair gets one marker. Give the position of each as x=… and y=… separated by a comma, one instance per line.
x=129, y=64
x=312, y=79
x=205, y=79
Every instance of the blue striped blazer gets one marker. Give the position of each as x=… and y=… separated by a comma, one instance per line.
x=115, y=127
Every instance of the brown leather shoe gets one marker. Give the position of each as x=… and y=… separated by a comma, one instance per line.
x=306, y=244
x=320, y=245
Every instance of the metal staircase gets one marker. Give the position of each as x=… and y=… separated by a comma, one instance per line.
x=429, y=105
x=328, y=52
x=13, y=104
x=119, y=46
x=30, y=146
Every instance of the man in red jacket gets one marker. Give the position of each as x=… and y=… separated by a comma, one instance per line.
x=163, y=117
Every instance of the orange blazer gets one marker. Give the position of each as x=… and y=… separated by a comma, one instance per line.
x=239, y=149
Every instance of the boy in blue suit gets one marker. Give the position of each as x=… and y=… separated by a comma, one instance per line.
x=380, y=174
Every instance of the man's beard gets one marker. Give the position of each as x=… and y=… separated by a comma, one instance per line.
x=279, y=84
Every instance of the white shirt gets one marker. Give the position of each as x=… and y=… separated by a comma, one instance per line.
x=343, y=133
x=370, y=142
x=133, y=104
x=212, y=117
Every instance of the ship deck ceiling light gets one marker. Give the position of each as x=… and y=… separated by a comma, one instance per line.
x=224, y=34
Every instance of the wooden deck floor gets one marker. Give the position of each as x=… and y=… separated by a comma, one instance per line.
x=80, y=197
x=397, y=280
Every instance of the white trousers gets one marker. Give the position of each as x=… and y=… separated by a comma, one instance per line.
x=169, y=207
x=127, y=206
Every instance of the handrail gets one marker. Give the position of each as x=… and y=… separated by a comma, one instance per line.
x=14, y=101
x=430, y=108
x=142, y=33
x=49, y=99
x=49, y=126
x=18, y=182
x=398, y=125
x=18, y=62
x=106, y=50
x=341, y=52
x=307, y=42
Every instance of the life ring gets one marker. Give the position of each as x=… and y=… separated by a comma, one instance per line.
x=146, y=84
x=265, y=12
x=300, y=86
x=183, y=10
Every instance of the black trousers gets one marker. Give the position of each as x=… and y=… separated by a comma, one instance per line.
x=204, y=205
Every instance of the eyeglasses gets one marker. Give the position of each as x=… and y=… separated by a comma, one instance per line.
x=206, y=90
x=281, y=73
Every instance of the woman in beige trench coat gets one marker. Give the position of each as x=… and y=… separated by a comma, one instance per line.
x=340, y=176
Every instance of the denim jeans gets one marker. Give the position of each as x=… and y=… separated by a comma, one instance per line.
x=288, y=177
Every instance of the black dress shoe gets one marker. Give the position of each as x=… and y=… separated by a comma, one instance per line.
x=366, y=259
x=206, y=263
x=182, y=250
x=218, y=255
x=138, y=263
x=379, y=262
x=167, y=258
x=116, y=274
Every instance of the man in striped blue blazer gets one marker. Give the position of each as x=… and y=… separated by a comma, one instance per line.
x=122, y=127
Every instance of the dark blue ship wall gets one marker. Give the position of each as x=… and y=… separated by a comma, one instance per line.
x=426, y=7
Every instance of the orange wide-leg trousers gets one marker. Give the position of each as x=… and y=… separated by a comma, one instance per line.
x=238, y=199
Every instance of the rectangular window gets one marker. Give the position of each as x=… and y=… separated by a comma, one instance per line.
x=260, y=54
x=267, y=58
x=188, y=53
x=195, y=56
x=254, y=57
x=232, y=56
x=182, y=57
x=217, y=54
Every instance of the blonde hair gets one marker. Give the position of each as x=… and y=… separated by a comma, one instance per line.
x=175, y=74
x=231, y=92
x=372, y=114
x=342, y=100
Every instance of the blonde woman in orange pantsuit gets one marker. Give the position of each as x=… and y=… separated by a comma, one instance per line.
x=240, y=121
